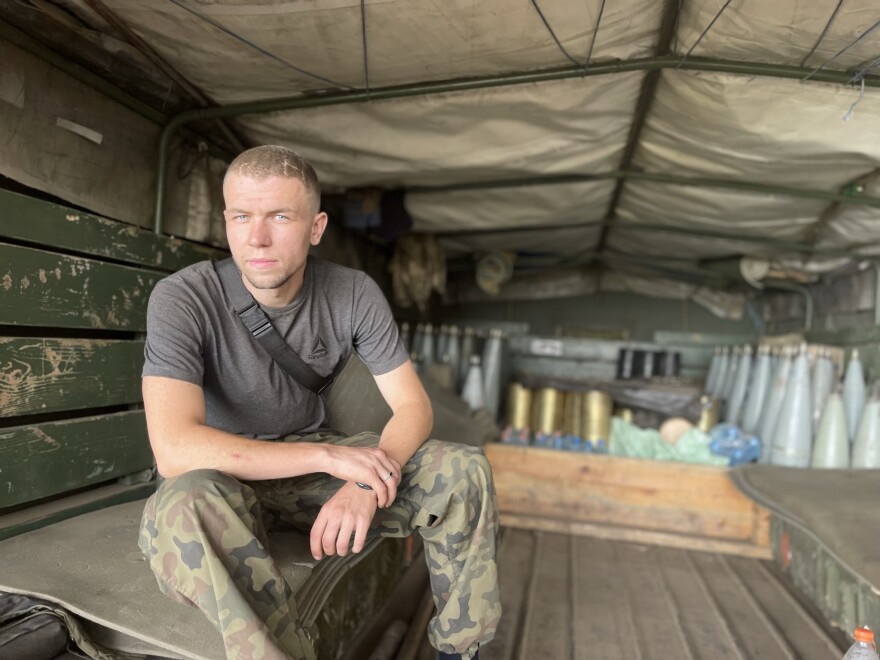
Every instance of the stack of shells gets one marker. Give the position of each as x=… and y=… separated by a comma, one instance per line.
x=452, y=357
x=557, y=419
x=791, y=399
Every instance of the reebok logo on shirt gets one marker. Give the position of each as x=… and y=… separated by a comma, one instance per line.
x=319, y=351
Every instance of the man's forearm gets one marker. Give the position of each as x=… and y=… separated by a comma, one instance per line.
x=202, y=447
x=406, y=431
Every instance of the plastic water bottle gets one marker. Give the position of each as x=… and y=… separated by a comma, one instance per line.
x=864, y=647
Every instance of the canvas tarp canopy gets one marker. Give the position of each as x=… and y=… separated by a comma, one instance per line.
x=675, y=134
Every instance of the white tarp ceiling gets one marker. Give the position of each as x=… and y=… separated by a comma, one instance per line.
x=781, y=31
x=718, y=211
x=740, y=127
x=489, y=134
x=526, y=206
x=408, y=40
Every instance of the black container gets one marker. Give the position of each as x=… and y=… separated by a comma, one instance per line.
x=669, y=364
x=649, y=364
x=644, y=363
x=626, y=363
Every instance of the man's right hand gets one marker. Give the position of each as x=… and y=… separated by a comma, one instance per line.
x=367, y=465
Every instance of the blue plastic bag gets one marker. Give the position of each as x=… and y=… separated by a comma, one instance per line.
x=731, y=441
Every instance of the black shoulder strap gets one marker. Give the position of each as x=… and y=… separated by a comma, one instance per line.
x=259, y=325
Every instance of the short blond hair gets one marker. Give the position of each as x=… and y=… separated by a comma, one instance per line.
x=274, y=160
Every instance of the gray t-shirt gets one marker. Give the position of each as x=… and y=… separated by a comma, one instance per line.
x=195, y=336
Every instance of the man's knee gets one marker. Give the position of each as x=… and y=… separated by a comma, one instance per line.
x=178, y=501
x=200, y=480
x=478, y=471
x=479, y=464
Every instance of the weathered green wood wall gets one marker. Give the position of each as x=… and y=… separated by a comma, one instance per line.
x=45, y=375
x=53, y=290
x=55, y=457
x=73, y=294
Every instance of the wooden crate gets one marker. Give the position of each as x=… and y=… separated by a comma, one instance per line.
x=663, y=503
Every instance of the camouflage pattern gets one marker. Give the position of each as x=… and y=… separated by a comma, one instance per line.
x=204, y=535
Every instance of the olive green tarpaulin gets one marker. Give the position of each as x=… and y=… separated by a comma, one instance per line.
x=826, y=534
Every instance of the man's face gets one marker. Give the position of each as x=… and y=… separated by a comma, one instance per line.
x=270, y=224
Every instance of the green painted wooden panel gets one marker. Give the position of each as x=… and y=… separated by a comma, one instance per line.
x=28, y=219
x=52, y=290
x=37, y=461
x=42, y=515
x=40, y=375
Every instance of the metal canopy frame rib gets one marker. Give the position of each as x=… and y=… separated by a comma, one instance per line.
x=704, y=32
x=659, y=177
x=364, y=44
x=272, y=56
x=640, y=116
x=822, y=35
x=777, y=243
x=595, y=34
x=553, y=34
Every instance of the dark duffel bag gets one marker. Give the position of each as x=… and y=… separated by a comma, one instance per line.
x=30, y=629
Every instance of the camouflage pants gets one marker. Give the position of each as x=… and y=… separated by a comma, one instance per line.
x=204, y=535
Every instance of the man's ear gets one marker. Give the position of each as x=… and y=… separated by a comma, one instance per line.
x=319, y=224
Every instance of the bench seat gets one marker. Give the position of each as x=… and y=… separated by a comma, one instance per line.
x=824, y=532
x=75, y=460
x=92, y=567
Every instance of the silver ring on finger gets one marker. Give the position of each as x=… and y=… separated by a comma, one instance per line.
x=386, y=478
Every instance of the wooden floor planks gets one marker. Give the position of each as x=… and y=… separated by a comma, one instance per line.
x=515, y=563
x=547, y=626
x=578, y=598
x=604, y=628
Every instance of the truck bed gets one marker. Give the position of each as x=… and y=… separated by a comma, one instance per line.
x=572, y=597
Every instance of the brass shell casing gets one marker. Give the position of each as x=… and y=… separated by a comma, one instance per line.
x=519, y=406
x=548, y=410
x=709, y=413
x=597, y=406
x=572, y=417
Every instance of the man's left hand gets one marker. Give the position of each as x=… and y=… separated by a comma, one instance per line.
x=349, y=512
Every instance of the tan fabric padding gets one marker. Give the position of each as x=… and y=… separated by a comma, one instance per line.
x=838, y=507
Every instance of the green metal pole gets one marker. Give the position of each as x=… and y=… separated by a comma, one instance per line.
x=421, y=89
x=754, y=186
x=795, y=288
x=876, y=265
x=789, y=246
x=666, y=267
x=658, y=177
